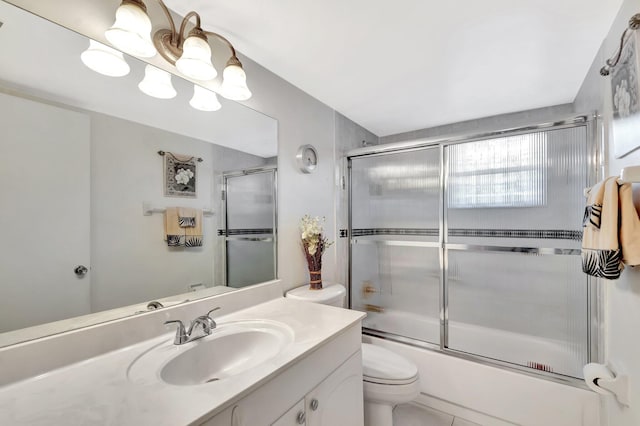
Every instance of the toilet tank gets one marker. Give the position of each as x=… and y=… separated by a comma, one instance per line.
x=333, y=295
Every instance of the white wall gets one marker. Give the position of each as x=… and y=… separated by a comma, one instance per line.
x=130, y=261
x=622, y=296
x=301, y=120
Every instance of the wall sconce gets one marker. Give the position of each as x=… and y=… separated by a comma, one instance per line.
x=191, y=55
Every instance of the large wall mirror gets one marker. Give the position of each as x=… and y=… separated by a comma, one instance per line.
x=83, y=185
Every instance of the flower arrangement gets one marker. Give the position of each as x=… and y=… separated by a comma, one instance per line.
x=313, y=244
x=183, y=176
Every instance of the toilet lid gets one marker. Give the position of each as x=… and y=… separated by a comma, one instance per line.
x=380, y=365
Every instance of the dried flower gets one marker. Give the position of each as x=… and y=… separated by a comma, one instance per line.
x=313, y=242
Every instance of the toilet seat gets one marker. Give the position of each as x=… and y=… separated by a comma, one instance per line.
x=381, y=366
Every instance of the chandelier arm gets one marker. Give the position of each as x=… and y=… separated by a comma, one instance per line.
x=228, y=43
x=184, y=24
x=169, y=18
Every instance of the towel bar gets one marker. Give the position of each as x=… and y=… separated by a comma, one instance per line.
x=629, y=174
x=148, y=210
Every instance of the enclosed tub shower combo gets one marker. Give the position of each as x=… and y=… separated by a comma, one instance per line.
x=471, y=246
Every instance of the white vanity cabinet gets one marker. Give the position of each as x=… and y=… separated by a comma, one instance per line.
x=334, y=402
x=337, y=401
x=294, y=417
x=323, y=389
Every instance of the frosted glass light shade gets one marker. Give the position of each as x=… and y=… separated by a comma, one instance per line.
x=157, y=83
x=105, y=60
x=195, y=61
x=204, y=100
x=131, y=31
x=234, y=84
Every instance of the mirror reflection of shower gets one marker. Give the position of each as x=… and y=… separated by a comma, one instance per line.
x=250, y=219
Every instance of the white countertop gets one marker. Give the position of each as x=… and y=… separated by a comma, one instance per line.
x=97, y=391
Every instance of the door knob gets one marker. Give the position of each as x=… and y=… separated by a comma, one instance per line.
x=81, y=271
x=301, y=417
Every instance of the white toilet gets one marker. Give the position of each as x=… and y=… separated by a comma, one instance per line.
x=388, y=378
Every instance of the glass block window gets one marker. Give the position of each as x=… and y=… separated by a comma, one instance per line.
x=503, y=172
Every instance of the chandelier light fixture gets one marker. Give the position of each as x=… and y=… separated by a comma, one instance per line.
x=157, y=83
x=189, y=52
x=105, y=60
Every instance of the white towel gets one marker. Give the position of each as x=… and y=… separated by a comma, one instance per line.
x=629, y=227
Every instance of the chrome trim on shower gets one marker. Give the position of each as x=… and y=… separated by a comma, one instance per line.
x=444, y=258
x=570, y=121
x=265, y=239
x=395, y=243
x=524, y=250
x=595, y=294
x=349, y=231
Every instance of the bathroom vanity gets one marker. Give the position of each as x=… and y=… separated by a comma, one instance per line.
x=279, y=362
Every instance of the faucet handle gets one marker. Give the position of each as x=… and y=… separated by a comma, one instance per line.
x=181, y=333
x=213, y=310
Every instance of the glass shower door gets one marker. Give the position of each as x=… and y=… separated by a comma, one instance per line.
x=515, y=289
x=250, y=224
x=395, y=242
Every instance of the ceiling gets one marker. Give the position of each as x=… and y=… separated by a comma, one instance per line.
x=399, y=66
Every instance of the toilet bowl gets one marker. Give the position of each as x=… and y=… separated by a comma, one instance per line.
x=388, y=378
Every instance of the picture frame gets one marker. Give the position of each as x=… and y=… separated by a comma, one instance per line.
x=625, y=99
x=180, y=175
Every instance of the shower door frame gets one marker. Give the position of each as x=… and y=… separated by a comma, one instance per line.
x=595, y=292
x=225, y=220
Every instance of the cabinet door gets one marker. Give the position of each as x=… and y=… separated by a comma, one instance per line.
x=294, y=417
x=337, y=401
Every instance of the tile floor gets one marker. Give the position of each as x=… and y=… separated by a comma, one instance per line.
x=418, y=415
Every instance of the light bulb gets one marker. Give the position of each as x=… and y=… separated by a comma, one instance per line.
x=204, y=100
x=234, y=83
x=157, y=83
x=195, y=61
x=105, y=60
x=131, y=31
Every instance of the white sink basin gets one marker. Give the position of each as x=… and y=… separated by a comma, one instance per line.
x=231, y=349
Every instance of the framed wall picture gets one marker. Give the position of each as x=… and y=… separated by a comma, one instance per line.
x=626, y=100
x=180, y=175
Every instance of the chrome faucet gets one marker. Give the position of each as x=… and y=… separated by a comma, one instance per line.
x=185, y=335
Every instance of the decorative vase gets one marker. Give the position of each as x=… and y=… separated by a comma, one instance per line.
x=315, y=278
x=313, y=246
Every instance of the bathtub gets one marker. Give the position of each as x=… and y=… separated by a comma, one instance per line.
x=541, y=353
x=483, y=393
